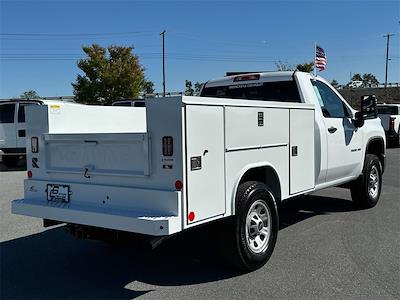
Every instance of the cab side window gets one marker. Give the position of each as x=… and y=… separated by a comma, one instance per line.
x=332, y=106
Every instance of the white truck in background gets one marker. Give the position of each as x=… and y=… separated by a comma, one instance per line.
x=390, y=119
x=236, y=152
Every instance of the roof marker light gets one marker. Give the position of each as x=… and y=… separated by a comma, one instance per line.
x=246, y=77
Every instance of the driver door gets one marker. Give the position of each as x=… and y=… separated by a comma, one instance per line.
x=344, y=139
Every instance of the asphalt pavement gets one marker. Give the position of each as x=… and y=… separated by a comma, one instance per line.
x=325, y=249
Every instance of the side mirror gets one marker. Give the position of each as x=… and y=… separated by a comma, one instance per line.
x=368, y=107
x=358, y=119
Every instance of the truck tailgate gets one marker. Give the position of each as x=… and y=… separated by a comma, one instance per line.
x=125, y=154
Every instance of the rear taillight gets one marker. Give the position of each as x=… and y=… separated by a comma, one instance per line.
x=168, y=146
x=391, y=123
x=29, y=174
x=35, y=144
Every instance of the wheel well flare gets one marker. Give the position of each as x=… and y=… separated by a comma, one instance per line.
x=266, y=175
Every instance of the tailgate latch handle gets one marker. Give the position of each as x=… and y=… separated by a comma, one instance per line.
x=86, y=174
x=87, y=169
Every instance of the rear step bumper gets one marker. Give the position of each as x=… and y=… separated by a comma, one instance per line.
x=111, y=219
x=119, y=217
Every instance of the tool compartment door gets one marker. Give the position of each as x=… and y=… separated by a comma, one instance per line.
x=205, y=162
x=301, y=150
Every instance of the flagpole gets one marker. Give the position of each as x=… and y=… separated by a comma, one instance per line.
x=315, y=59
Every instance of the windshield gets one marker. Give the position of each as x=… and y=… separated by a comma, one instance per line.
x=285, y=91
x=7, y=113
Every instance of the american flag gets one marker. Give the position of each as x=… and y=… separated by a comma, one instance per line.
x=320, y=58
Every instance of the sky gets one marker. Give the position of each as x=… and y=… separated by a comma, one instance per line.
x=41, y=41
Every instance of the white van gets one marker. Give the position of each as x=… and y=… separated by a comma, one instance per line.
x=13, y=128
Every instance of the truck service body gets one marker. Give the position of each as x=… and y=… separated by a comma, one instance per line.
x=249, y=142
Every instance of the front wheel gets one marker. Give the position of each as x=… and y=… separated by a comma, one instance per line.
x=365, y=191
x=255, y=226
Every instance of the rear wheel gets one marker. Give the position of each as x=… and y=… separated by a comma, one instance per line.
x=365, y=191
x=10, y=161
x=254, y=229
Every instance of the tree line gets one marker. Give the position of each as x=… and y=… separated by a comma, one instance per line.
x=365, y=80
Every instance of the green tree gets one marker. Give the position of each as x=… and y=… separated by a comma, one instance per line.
x=283, y=66
x=369, y=80
x=197, y=88
x=306, y=67
x=31, y=94
x=189, y=88
x=109, y=74
x=356, y=77
x=335, y=84
x=148, y=87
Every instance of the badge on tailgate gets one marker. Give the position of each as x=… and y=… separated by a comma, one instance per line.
x=58, y=193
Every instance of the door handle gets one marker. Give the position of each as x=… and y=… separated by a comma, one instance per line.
x=21, y=133
x=332, y=129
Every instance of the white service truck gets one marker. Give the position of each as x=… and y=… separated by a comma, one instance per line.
x=390, y=119
x=245, y=145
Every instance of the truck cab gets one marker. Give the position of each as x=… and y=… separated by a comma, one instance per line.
x=340, y=142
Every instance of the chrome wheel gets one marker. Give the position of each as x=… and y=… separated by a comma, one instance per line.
x=373, y=182
x=258, y=226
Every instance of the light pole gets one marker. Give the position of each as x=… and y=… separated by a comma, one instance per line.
x=387, y=55
x=163, y=60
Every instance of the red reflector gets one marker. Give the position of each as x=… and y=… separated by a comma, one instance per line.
x=391, y=124
x=29, y=174
x=178, y=185
x=246, y=77
x=191, y=216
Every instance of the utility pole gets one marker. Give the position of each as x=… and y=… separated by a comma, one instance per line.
x=163, y=60
x=387, y=55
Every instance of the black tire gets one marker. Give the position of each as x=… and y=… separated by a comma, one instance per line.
x=362, y=190
x=10, y=161
x=252, y=195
